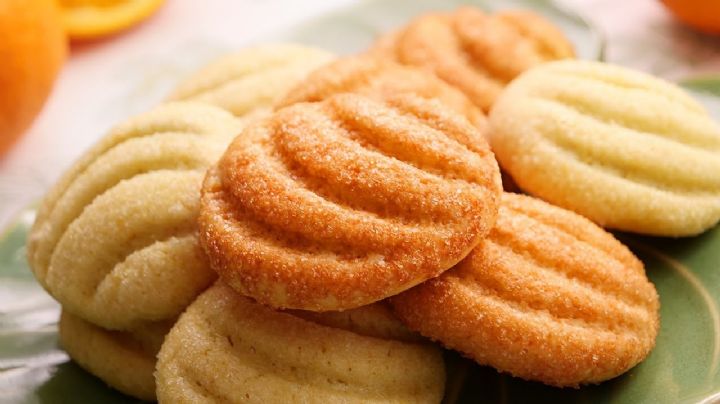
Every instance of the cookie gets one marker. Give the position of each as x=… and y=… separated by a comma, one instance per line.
x=251, y=79
x=120, y=225
x=476, y=52
x=548, y=296
x=375, y=77
x=627, y=150
x=125, y=360
x=228, y=348
x=338, y=204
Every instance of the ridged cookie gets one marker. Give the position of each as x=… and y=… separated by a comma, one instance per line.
x=125, y=360
x=120, y=226
x=338, y=204
x=228, y=348
x=380, y=78
x=627, y=150
x=548, y=296
x=476, y=52
x=251, y=79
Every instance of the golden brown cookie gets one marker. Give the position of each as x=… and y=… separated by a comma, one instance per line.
x=120, y=226
x=228, y=348
x=251, y=79
x=338, y=204
x=380, y=78
x=476, y=52
x=625, y=149
x=125, y=360
x=549, y=296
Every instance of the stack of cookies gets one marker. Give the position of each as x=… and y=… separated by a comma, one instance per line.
x=295, y=227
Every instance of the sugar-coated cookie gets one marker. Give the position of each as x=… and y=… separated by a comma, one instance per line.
x=377, y=77
x=476, y=52
x=627, y=150
x=548, y=296
x=125, y=360
x=338, y=204
x=228, y=348
x=251, y=79
x=115, y=241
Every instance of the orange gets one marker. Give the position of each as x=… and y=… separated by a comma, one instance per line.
x=703, y=15
x=32, y=50
x=90, y=19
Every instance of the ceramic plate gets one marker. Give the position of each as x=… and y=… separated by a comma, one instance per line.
x=682, y=368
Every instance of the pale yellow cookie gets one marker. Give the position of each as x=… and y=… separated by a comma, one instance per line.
x=125, y=360
x=115, y=240
x=251, y=79
x=548, y=296
x=627, y=150
x=227, y=348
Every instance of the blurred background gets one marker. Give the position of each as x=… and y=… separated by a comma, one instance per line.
x=122, y=61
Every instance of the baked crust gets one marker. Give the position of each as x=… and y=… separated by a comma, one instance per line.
x=380, y=78
x=228, y=348
x=627, y=150
x=548, y=296
x=338, y=204
x=120, y=225
x=476, y=52
x=125, y=360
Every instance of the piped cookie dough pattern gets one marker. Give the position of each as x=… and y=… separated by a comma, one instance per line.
x=380, y=78
x=627, y=150
x=120, y=225
x=228, y=348
x=548, y=296
x=338, y=204
x=476, y=52
x=252, y=79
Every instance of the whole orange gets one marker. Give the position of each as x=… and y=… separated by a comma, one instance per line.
x=32, y=50
x=703, y=15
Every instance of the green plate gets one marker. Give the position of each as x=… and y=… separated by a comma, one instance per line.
x=683, y=368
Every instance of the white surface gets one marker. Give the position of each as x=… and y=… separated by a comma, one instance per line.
x=105, y=82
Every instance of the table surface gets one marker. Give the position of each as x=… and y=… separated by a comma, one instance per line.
x=103, y=83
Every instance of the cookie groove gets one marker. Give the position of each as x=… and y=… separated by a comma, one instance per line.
x=438, y=200
x=380, y=78
x=123, y=162
x=276, y=356
x=120, y=210
x=252, y=79
x=476, y=52
x=636, y=158
x=539, y=302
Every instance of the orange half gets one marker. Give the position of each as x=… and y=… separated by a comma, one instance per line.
x=703, y=15
x=90, y=19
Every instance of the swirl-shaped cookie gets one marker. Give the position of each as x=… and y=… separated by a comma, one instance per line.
x=627, y=150
x=120, y=225
x=341, y=203
x=228, y=348
x=476, y=52
x=251, y=79
x=125, y=360
x=548, y=296
x=376, y=77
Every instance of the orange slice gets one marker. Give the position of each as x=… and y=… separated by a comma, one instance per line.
x=90, y=19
